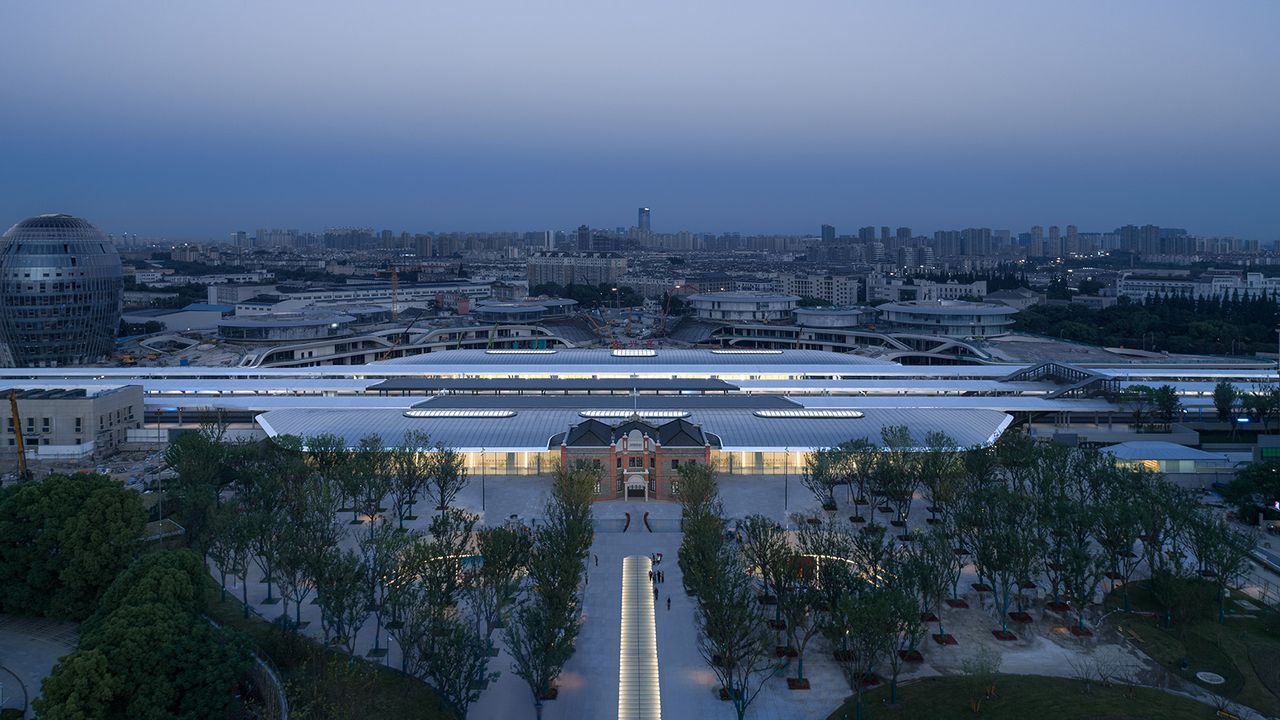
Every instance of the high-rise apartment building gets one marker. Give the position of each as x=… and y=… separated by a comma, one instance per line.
x=562, y=268
x=828, y=233
x=642, y=221
x=886, y=233
x=584, y=238
x=867, y=234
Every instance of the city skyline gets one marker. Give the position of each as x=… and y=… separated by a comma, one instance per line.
x=758, y=120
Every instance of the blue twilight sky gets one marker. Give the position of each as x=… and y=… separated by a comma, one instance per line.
x=192, y=119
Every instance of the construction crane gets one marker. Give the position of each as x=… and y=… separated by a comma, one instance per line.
x=493, y=335
x=23, y=472
x=402, y=337
x=395, y=292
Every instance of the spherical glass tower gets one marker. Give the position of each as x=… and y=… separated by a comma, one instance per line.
x=60, y=292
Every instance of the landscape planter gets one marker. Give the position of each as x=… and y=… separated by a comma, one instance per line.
x=767, y=600
x=885, y=509
x=928, y=617
x=857, y=519
x=1026, y=585
x=813, y=521
x=1114, y=576
x=777, y=624
x=1081, y=632
x=911, y=656
x=1004, y=635
x=957, y=604
x=551, y=694
x=1021, y=617
x=947, y=639
x=898, y=523
x=724, y=694
x=933, y=521
x=783, y=651
x=829, y=507
x=1057, y=606
x=960, y=551
x=798, y=683
x=907, y=537
x=869, y=679
x=981, y=587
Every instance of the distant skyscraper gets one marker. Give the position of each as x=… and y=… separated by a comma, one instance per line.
x=643, y=220
x=584, y=238
x=886, y=232
x=1072, y=242
x=1054, y=244
x=828, y=233
x=903, y=234
x=867, y=234
x=1036, y=247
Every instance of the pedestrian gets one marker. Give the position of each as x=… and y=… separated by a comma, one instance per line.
x=668, y=603
x=663, y=575
x=597, y=559
x=655, y=593
x=650, y=576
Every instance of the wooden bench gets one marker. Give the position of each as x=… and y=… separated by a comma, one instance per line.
x=1132, y=636
x=1225, y=715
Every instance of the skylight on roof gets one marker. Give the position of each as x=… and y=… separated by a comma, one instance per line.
x=635, y=352
x=745, y=351
x=623, y=413
x=530, y=351
x=456, y=413
x=810, y=413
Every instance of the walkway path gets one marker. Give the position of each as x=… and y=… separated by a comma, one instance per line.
x=638, y=694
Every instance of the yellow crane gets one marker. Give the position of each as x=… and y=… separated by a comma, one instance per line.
x=20, y=445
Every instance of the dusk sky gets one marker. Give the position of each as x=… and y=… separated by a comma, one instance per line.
x=190, y=120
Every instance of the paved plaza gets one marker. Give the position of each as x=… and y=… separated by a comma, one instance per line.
x=589, y=685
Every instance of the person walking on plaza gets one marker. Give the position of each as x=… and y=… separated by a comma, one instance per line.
x=597, y=559
x=668, y=603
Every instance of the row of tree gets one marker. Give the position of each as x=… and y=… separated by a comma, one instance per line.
x=1224, y=324
x=439, y=594
x=1023, y=517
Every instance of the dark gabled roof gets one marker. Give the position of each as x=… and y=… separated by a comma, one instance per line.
x=676, y=433
x=682, y=433
x=552, y=384
x=591, y=433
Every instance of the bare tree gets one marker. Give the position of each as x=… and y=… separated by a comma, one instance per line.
x=820, y=475
x=448, y=476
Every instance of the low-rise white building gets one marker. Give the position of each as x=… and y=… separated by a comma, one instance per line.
x=949, y=318
x=742, y=306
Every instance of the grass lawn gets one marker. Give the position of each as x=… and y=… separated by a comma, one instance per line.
x=326, y=685
x=1245, y=651
x=1024, y=696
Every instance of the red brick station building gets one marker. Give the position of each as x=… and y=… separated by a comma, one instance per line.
x=645, y=456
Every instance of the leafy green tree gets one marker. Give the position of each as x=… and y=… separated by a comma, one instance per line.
x=63, y=539
x=1255, y=489
x=80, y=687
x=698, y=490
x=382, y=549
x=1225, y=397
x=448, y=476
x=495, y=584
x=230, y=546
x=455, y=661
x=854, y=460
x=96, y=542
x=411, y=467
x=766, y=551
x=1224, y=552
x=343, y=595
x=732, y=634
x=864, y=624
x=820, y=475
x=373, y=469
x=539, y=645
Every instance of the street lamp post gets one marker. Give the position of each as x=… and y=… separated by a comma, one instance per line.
x=482, y=493
x=786, y=476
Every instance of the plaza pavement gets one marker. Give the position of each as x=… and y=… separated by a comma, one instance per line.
x=588, y=687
